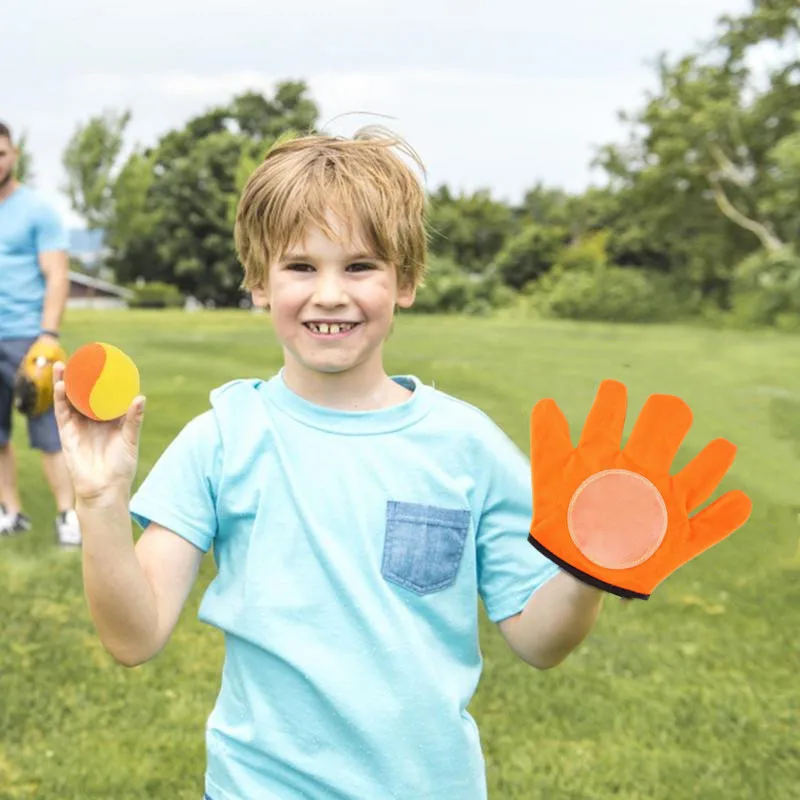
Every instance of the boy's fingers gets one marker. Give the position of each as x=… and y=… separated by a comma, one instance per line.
x=61, y=406
x=132, y=421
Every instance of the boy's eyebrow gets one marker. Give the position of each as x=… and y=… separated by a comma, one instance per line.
x=349, y=257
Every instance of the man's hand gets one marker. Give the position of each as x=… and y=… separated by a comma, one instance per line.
x=33, y=387
x=48, y=339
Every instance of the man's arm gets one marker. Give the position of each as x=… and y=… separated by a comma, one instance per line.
x=55, y=268
x=556, y=619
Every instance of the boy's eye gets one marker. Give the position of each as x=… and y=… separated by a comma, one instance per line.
x=356, y=266
x=361, y=266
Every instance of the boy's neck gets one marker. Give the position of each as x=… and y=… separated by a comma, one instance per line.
x=347, y=391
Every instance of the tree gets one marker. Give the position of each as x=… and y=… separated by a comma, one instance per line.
x=470, y=229
x=546, y=206
x=89, y=160
x=709, y=173
x=172, y=204
x=132, y=228
x=529, y=254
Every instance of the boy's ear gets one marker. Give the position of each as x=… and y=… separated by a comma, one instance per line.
x=406, y=294
x=260, y=297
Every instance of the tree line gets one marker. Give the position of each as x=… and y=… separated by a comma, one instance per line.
x=699, y=213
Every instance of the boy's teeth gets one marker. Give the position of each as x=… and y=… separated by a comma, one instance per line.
x=324, y=327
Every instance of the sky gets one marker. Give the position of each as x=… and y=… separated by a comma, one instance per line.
x=495, y=94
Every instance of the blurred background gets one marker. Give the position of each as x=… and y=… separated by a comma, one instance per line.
x=614, y=191
x=653, y=144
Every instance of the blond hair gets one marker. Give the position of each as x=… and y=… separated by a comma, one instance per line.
x=361, y=180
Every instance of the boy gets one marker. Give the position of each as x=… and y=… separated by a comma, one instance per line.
x=355, y=517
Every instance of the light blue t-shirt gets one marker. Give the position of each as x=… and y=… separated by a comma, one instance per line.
x=351, y=550
x=28, y=227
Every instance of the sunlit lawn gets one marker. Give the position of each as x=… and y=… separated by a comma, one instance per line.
x=694, y=694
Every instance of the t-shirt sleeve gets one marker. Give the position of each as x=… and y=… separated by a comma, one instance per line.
x=510, y=569
x=51, y=232
x=180, y=491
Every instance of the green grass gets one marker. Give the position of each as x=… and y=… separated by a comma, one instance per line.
x=694, y=694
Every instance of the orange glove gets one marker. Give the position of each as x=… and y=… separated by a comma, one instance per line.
x=615, y=518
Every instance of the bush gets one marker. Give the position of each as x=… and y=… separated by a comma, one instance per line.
x=529, y=254
x=584, y=286
x=608, y=294
x=449, y=289
x=155, y=295
x=588, y=254
x=766, y=289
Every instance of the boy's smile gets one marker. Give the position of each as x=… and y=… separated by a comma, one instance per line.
x=331, y=329
x=332, y=303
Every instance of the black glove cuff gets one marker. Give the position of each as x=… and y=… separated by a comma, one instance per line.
x=582, y=576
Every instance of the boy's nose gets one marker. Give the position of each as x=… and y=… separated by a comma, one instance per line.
x=329, y=291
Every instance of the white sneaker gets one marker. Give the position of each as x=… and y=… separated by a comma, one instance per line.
x=68, y=529
x=11, y=524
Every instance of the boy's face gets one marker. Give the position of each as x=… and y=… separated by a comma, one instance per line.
x=332, y=305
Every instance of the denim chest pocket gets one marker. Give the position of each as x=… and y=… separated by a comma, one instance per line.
x=423, y=545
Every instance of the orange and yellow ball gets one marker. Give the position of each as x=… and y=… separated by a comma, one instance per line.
x=101, y=381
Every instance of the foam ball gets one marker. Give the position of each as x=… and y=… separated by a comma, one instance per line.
x=101, y=381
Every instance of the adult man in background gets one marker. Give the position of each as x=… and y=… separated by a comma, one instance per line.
x=34, y=285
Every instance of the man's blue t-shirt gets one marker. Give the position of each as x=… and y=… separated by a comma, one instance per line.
x=28, y=227
x=351, y=550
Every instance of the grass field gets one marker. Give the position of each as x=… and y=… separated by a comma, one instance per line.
x=694, y=694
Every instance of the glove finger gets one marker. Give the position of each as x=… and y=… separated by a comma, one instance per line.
x=551, y=444
x=719, y=520
x=701, y=476
x=602, y=432
x=658, y=433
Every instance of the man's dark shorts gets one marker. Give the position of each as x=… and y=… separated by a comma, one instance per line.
x=42, y=430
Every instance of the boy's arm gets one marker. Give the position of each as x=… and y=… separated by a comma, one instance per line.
x=556, y=619
x=135, y=593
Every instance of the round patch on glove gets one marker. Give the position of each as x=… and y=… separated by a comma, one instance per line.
x=617, y=519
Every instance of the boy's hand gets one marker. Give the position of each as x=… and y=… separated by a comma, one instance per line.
x=101, y=456
x=615, y=517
